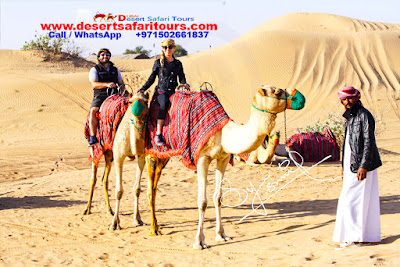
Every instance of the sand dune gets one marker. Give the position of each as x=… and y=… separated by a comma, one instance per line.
x=45, y=174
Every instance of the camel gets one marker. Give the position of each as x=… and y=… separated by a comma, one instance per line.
x=267, y=103
x=111, y=17
x=101, y=16
x=264, y=153
x=129, y=139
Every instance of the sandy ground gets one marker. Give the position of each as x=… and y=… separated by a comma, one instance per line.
x=45, y=178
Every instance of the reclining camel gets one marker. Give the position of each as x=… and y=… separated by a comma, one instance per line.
x=267, y=102
x=264, y=153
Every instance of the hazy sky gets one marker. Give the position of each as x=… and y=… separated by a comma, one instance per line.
x=20, y=19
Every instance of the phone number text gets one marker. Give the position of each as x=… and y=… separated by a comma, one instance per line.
x=172, y=34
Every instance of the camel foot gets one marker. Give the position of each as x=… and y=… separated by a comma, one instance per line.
x=200, y=245
x=222, y=238
x=110, y=212
x=154, y=233
x=86, y=211
x=115, y=225
x=249, y=163
x=137, y=222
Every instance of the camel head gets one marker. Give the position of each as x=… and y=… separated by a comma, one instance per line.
x=138, y=106
x=274, y=100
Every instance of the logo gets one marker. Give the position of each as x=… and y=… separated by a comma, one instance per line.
x=104, y=17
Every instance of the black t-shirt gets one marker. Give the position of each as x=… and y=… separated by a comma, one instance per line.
x=168, y=81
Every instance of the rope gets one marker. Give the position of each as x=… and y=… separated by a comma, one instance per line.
x=284, y=118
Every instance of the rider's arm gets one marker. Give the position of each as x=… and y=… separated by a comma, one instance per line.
x=182, y=77
x=102, y=85
x=152, y=77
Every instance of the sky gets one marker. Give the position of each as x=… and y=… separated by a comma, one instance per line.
x=20, y=20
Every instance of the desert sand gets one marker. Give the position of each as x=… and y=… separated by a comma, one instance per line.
x=45, y=173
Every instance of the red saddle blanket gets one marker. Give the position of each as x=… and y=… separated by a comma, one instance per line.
x=110, y=115
x=192, y=119
x=314, y=146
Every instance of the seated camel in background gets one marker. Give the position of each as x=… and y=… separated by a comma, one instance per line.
x=267, y=103
x=264, y=153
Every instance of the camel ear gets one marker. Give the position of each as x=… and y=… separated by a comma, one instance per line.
x=130, y=95
x=262, y=92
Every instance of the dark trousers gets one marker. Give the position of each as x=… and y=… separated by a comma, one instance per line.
x=163, y=101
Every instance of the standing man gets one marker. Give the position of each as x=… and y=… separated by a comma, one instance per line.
x=358, y=211
x=104, y=78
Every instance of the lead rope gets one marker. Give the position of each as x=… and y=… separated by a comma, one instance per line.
x=284, y=118
x=284, y=113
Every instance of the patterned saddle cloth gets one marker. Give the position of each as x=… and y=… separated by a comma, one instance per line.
x=110, y=115
x=193, y=117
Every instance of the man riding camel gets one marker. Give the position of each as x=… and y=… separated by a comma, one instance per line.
x=104, y=78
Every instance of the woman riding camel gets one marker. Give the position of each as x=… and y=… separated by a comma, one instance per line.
x=167, y=69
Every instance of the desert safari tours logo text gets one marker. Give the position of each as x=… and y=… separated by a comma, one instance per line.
x=107, y=26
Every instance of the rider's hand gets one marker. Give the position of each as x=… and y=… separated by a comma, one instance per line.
x=187, y=86
x=111, y=85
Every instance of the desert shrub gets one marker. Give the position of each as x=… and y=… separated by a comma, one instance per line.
x=335, y=123
x=45, y=43
x=56, y=45
x=138, y=50
x=72, y=49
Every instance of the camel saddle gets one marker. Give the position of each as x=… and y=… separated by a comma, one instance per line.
x=110, y=115
x=192, y=118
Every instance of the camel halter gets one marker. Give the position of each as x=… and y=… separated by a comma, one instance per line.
x=264, y=110
x=298, y=104
x=137, y=110
x=286, y=106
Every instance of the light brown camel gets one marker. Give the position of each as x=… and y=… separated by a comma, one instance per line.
x=129, y=139
x=267, y=102
x=264, y=153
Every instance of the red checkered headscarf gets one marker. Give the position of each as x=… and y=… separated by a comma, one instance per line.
x=348, y=91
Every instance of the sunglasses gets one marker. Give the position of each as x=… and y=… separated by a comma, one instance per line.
x=170, y=47
x=105, y=54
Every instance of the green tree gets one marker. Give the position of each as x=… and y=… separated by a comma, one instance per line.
x=138, y=50
x=180, y=51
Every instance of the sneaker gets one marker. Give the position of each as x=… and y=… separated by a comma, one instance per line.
x=93, y=140
x=159, y=140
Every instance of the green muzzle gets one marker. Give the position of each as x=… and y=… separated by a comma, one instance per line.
x=296, y=100
x=137, y=107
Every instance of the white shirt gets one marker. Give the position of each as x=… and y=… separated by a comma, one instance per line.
x=93, y=77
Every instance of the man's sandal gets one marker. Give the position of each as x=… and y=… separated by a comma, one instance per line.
x=344, y=245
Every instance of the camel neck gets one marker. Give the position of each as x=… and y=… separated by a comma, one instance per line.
x=245, y=138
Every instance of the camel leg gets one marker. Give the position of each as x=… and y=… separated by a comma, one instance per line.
x=118, y=162
x=108, y=155
x=202, y=170
x=219, y=175
x=137, y=221
x=154, y=168
x=271, y=149
x=92, y=185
